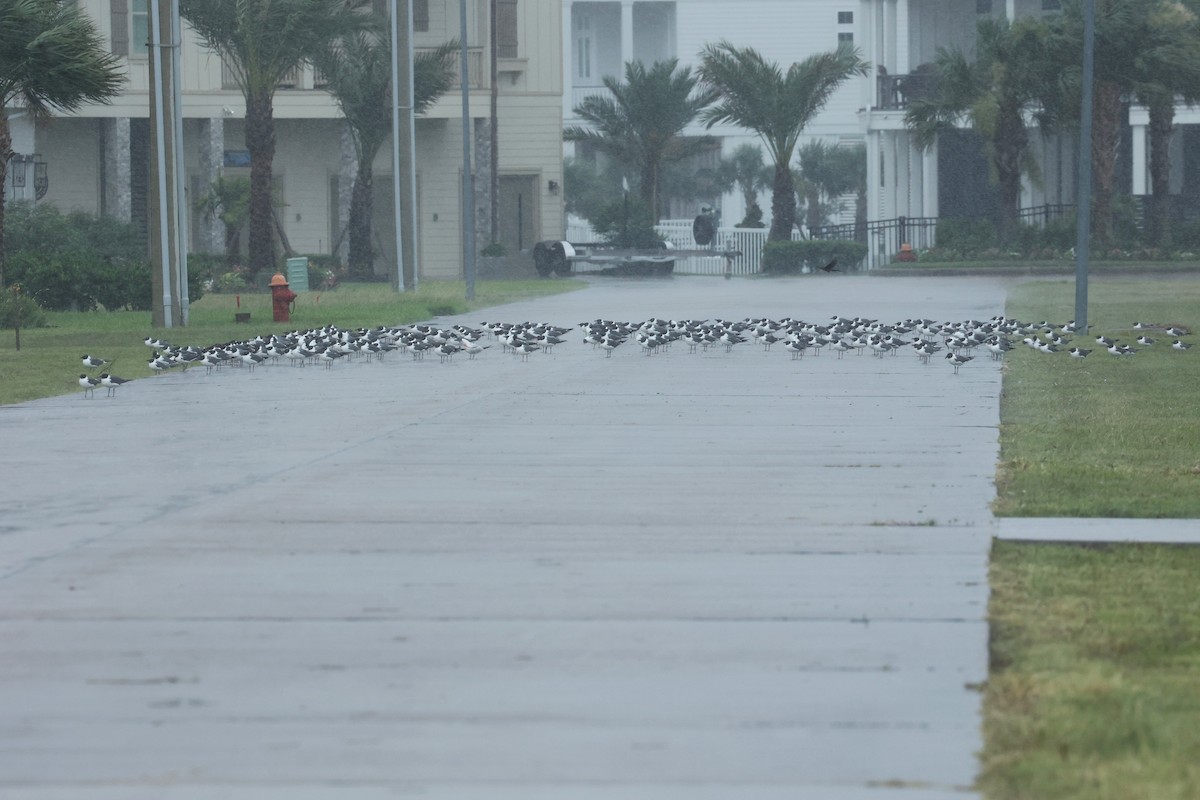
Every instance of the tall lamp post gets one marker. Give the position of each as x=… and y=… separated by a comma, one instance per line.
x=1083, y=203
x=167, y=246
x=468, y=182
x=404, y=184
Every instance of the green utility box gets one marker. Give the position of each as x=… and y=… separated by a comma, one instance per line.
x=297, y=274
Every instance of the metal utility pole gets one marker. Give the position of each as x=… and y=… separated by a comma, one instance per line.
x=468, y=181
x=164, y=200
x=494, y=128
x=404, y=156
x=1083, y=202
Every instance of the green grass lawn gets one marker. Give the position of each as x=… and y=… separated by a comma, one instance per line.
x=48, y=362
x=1094, y=688
x=1103, y=436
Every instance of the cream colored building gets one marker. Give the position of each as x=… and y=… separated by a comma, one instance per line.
x=97, y=160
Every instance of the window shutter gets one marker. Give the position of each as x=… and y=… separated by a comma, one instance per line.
x=120, y=27
x=420, y=13
x=506, y=28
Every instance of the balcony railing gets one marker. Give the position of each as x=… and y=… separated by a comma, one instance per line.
x=581, y=93
x=309, y=77
x=897, y=91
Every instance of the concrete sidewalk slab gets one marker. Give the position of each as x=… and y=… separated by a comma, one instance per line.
x=720, y=574
x=1084, y=530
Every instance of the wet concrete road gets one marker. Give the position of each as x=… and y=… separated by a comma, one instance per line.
x=696, y=576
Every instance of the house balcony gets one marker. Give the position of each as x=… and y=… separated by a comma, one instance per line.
x=895, y=92
x=581, y=93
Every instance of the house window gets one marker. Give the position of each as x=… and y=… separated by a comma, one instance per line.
x=983, y=6
x=845, y=38
x=506, y=28
x=420, y=14
x=845, y=18
x=139, y=26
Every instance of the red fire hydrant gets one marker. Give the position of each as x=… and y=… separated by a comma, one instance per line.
x=282, y=298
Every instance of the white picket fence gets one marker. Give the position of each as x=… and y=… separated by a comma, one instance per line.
x=747, y=241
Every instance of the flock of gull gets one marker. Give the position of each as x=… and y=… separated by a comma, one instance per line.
x=958, y=341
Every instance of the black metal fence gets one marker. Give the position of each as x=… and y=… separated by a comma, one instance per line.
x=883, y=237
x=1045, y=213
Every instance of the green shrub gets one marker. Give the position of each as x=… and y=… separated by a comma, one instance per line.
x=121, y=286
x=18, y=310
x=43, y=228
x=205, y=267
x=966, y=236
x=54, y=280
x=626, y=222
x=79, y=261
x=781, y=258
x=324, y=271
x=229, y=283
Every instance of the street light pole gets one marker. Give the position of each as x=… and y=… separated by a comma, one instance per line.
x=468, y=183
x=1083, y=202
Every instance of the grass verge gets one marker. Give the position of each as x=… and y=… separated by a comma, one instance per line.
x=1104, y=436
x=48, y=362
x=1094, y=691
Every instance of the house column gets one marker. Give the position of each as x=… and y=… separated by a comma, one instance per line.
x=903, y=174
x=1140, y=160
x=868, y=24
x=569, y=73
x=626, y=33
x=874, y=177
x=118, y=169
x=929, y=182
x=210, y=231
x=916, y=177
x=903, y=66
x=888, y=46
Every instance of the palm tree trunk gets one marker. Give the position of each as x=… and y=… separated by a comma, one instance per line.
x=6, y=153
x=783, y=204
x=360, y=262
x=1008, y=150
x=812, y=211
x=1158, y=218
x=650, y=190
x=1106, y=129
x=260, y=141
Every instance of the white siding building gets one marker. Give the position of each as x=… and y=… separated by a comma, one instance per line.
x=96, y=160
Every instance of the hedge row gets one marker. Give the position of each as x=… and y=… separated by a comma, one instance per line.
x=790, y=257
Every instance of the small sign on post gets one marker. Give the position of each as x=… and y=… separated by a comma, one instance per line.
x=297, y=274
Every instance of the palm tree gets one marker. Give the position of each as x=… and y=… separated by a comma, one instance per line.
x=755, y=94
x=1145, y=49
x=641, y=121
x=51, y=57
x=1008, y=77
x=228, y=199
x=261, y=41
x=829, y=172
x=358, y=71
x=744, y=170
x=1169, y=68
